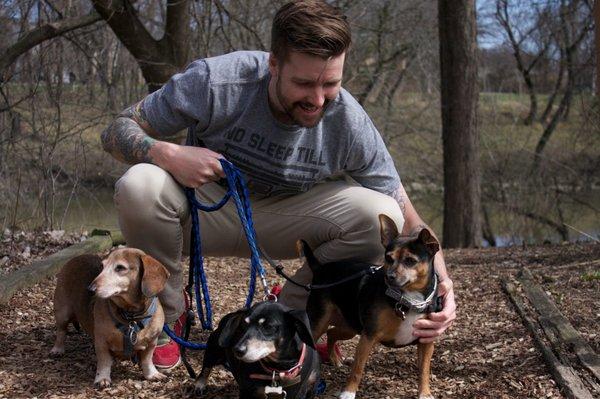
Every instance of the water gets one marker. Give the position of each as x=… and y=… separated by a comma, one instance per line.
x=94, y=209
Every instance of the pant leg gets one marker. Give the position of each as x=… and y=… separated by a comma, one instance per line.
x=154, y=216
x=340, y=221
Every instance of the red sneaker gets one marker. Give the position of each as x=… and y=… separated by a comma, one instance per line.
x=166, y=355
x=324, y=353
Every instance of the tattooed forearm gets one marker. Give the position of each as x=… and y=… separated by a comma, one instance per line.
x=401, y=197
x=125, y=138
x=417, y=229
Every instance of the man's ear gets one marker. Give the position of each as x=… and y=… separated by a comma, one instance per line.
x=389, y=231
x=302, y=325
x=273, y=65
x=154, y=276
x=429, y=241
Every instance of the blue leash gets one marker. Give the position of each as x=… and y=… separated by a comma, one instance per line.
x=239, y=192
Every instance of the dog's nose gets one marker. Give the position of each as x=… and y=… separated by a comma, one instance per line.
x=239, y=350
x=92, y=287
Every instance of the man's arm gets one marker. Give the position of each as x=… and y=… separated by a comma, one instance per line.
x=128, y=137
x=131, y=139
x=428, y=329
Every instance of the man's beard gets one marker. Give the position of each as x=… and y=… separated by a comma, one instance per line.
x=288, y=109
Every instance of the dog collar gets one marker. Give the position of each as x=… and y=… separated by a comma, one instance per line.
x=134, y=322
x=284, y=377
x=405, y=304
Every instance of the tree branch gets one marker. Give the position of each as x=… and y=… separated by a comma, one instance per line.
x=9, y=54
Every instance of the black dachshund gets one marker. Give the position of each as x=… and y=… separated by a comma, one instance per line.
x=269, y=350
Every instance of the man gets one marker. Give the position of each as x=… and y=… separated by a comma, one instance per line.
x=316, y=165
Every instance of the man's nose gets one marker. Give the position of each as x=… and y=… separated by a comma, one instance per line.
x=318, y=97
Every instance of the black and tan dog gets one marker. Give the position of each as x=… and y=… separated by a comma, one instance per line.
x=269, y=350
x=381, y=306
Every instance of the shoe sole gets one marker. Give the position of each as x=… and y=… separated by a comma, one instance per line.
x=168, y=368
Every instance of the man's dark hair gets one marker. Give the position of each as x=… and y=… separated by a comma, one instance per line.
x=309, y=26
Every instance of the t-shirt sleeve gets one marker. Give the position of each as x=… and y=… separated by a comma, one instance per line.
x=184, y=101
x=369, y=162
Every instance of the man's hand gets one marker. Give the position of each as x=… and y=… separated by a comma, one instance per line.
x=190, y=166
x=428, y=329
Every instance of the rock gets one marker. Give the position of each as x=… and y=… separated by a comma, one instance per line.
x=26, y=252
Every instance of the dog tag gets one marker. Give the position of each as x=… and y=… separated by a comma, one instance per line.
x=132, y=335
x=274, y=391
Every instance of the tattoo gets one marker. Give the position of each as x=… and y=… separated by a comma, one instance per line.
x=417, y=229
x=126, y=139
x=400, y=196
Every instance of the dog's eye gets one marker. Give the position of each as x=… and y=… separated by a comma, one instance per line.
x=410, y=262
x=120, y=268
x=269, y=328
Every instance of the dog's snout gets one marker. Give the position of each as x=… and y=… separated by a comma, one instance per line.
x=92, y=287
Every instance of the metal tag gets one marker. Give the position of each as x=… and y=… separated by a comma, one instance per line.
x=274, y=391
x=132, y=335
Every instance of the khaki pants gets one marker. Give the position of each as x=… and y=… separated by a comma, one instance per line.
x=337, y=219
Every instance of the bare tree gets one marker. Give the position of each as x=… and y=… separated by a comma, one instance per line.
x=159, y=59
x=458, y=53
x=518, y=39
x=573, y=30
x=597, y=33
x=44, y=32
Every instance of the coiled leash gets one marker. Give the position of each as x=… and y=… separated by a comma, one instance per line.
x=239, y=192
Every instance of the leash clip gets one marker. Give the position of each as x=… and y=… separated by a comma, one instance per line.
x=399, y=312
x=270, y=298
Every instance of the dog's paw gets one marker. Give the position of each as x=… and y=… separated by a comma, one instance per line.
x=156, y=376
x=195, y=390
x=101, y=382
x=57, y=352
x=428, y=396
x=347, y=395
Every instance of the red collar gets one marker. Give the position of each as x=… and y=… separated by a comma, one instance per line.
x=282, y=375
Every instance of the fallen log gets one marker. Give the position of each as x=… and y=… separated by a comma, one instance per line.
x=564, y=375
x=555, y=324
x=37, y=271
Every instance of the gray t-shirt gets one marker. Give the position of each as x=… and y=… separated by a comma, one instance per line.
x=224, y=102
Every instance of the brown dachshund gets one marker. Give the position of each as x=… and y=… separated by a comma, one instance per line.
x=124, y=317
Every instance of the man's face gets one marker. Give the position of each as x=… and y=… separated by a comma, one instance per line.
x=303, y=85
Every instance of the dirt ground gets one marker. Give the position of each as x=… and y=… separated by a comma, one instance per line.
x=487, y=354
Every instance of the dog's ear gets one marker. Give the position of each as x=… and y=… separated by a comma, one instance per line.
x=306, y=254
x=154, y=276
x=300, y=320
x=429, y=241
x=389, y=231
x=228, y=327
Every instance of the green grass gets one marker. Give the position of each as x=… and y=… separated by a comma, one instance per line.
x=591, y=276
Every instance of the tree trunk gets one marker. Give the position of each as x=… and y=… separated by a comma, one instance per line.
x=557, y=86
x=597, y=33
x=459, y=97
x=158, y=59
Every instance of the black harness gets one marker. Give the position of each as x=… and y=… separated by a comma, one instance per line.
x=402, y=304
x=130, y=324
